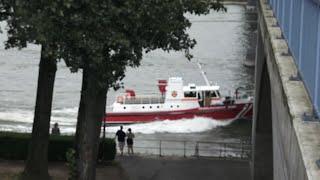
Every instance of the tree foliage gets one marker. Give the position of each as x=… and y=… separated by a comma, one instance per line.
x=110, y=35
x=102, y=37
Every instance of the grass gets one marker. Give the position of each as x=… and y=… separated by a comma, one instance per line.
x=9, y=176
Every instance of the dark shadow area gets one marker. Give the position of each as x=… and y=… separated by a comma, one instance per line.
x=263, y=155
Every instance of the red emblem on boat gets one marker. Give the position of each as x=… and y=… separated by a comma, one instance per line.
x=174, y=94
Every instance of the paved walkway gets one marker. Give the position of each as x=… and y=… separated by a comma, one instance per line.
x=148, y=168
x=142, y=168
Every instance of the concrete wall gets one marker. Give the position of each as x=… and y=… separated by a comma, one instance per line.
x=280, y=103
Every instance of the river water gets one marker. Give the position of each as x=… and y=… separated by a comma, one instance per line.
x=222, y=46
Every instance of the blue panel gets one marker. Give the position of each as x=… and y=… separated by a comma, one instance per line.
x=282, y=14
x=295, y=29
x=276, y=7
x=301, y=36
x=290, y=23
x=316, y=1
x=309, y=46
x=279, y=10
x=286, y=18
x=274, y=4
x=317, y=78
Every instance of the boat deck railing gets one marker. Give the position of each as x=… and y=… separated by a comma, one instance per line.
x=183, y=148
x=144, y=100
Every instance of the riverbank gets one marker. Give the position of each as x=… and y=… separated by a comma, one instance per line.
x=147, y=168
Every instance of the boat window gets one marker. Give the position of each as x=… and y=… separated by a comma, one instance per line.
x=213, y=94
x=190, y=94
x=158, y=107
x=124, y=107
x=218, y=93
x=150, y=107
x=200, y=98
x=208, y=94
x=171, y=106
x=142, y=107
x=177, y=106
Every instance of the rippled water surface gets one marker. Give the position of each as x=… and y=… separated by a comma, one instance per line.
x=222, y=46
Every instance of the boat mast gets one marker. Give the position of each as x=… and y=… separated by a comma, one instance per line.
x=203, y=74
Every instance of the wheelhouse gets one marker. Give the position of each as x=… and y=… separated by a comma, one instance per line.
x=206, y=95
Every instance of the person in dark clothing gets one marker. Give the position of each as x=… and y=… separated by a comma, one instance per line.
x=130, y=136
x=55, y=130
x=121, y=139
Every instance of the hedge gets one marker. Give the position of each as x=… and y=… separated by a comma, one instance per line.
x=14, y=146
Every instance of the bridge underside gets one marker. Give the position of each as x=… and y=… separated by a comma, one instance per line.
x=263, y=156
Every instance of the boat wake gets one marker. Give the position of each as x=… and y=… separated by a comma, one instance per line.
x=66, y=116
x=195, y=125
x=21, y=121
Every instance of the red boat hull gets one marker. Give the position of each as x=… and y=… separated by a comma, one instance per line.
x=229, y=112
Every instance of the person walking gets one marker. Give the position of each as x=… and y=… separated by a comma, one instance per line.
x=130, y=137
x=121, y=138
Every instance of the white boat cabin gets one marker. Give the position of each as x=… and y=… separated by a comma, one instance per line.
x=174, y=96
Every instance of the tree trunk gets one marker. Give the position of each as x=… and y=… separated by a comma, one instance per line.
x=37, y=161
x=81, y=111
x=91, y=112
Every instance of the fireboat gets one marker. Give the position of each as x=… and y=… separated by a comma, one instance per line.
x=177, y=101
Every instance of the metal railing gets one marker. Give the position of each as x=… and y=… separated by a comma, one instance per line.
x=144, y=100
x=184, y=148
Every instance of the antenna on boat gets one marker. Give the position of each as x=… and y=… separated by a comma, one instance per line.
x=203, y=74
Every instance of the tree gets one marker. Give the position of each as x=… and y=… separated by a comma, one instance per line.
x=36, y=22
x=102, y=38
x=107, y=37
